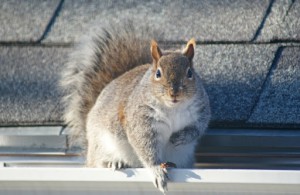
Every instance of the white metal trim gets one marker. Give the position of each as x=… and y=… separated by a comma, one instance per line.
x=142, y=175
x=183, y=181
x=31, y=130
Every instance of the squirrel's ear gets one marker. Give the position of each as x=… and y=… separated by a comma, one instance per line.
x=189, y=49
x=155, y=51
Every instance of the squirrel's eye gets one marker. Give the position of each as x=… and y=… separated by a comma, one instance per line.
x=189, y=73
x=158, y=74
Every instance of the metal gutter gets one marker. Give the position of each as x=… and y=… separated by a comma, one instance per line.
x=220, y=148
x=138, y=181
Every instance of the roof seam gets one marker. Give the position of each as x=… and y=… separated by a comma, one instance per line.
x=273, y=66
x=166, y=42
x=51, y=22
x=288, y=10
x=263, y=21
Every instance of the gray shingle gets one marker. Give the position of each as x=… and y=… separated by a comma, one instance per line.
x=206, y=20
x=28, y=92
x=25, y=20
x=280, y=101
x=233, y=76
x=283, y=22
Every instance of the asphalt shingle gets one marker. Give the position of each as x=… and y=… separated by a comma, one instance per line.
x=243, y=86
x=280, y=101
x=25, y=20
x=206, y=20
x=28, y=88
x=283, y=22
x=233, y=76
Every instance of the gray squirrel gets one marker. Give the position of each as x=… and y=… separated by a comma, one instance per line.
x=130, y=104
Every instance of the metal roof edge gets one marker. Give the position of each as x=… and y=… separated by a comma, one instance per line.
x=137, y=181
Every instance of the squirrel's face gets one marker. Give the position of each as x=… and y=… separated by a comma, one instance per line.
x=173, y=76
x=173, y=79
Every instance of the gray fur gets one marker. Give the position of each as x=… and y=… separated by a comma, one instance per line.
x=135, y=120
x=99, y=53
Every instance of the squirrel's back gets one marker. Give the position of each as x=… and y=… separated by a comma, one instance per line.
x=96, y=61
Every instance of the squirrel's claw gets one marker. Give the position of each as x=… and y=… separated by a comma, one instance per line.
x=165, y=167
x=116, y=165
x=168, y=165
x=160, y=179
x=161, y=185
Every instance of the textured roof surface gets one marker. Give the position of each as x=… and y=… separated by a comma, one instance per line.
x=282, y=22
x=205, y=20
x=29, y=79
x=25, y=20
x=280, y=101
x=249, y=54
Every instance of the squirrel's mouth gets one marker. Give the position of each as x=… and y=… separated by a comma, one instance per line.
x=172, y=102
x=175, y=100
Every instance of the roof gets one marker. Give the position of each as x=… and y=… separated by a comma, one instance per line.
x=248, y=55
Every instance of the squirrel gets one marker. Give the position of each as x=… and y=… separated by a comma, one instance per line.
x=133, y=105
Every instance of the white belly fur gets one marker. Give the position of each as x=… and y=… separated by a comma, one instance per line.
x=174, y=121
x=119, y=150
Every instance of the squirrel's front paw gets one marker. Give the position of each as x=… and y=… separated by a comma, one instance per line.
x=160, y=178
x=116, y=165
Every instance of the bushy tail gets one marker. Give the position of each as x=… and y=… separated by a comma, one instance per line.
x=96, y=61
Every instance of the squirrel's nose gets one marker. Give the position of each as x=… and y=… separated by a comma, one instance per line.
x=174, y=91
